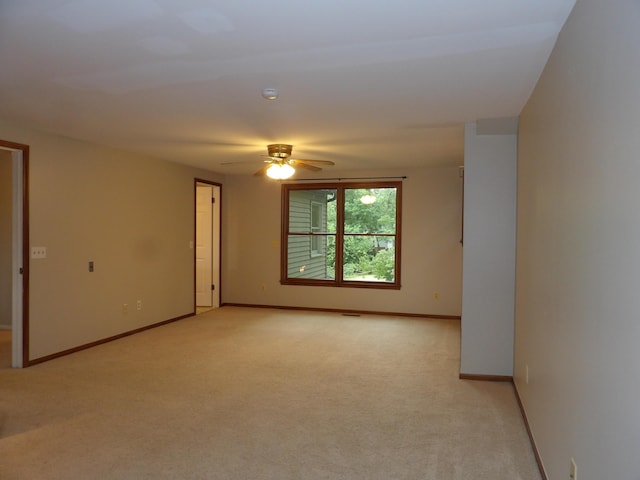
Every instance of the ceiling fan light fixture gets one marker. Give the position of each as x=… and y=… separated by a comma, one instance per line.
x=280, y=171
x=280, y=165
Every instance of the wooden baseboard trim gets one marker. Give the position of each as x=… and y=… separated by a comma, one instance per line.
x=486, y=378
x=536, y=453
x=339, y=310
x=105, y=340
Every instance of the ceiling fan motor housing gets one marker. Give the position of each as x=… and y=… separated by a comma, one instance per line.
x=279, y=150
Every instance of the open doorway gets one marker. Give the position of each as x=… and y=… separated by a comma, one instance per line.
x=6, y=256
x=207, y=245
x=14, y=260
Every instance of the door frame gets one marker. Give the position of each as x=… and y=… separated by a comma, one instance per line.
x=20, y=253
x=217, y=231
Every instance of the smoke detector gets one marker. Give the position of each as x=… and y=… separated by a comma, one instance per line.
x=270, y=93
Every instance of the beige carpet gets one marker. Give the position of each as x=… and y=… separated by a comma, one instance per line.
x=264, y=394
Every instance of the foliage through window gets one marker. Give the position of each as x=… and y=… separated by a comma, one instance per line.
x=345, y=234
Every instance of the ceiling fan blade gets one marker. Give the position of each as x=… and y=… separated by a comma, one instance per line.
x=262, y=171
x=296, y=164
x=239, y=163
x=313, y=162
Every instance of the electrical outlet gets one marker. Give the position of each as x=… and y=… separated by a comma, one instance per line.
x=573, y=470
x=526, y=373
x=125, y=308
x=436, y=295
x=139, y=305
x=38, y=252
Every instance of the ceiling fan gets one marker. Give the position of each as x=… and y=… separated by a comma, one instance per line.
x=280, y=166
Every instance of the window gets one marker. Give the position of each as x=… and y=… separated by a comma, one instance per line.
x=345, y=234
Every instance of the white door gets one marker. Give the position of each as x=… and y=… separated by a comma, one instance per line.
x=204, y=245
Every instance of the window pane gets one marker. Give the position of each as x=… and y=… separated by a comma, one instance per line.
x=370, y=210
x=369, y=258
x=304, y=262
x=364, y=248
x=312, y=211
x=331, y=257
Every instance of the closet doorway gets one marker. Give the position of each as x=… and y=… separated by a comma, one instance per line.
x=207, y=245
x=14, y=254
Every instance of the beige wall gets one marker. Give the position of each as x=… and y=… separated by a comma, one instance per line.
x=5, y=238
x=133, y=216
x=578, y=249
x=431, y=252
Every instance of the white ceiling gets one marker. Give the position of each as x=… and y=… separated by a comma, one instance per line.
x=365, y=83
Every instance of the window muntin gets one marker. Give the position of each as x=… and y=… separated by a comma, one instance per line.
x=341, y=240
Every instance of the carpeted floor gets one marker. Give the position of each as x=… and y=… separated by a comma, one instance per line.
x=264, y=394
x=200, y=310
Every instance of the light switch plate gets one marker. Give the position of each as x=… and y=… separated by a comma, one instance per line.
x=38, y=252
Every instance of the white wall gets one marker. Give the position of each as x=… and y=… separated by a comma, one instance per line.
x=489, y=253
x=578, y=262
x=431, y=251
x=6, y=268
x=131, y=215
